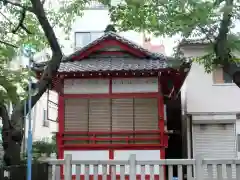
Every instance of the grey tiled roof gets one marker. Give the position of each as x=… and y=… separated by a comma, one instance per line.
x=194, y=41
x=111, y=64
x=150, y=62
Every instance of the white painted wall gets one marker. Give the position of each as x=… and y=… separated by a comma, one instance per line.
x=88, y=155
x=136, y=85
x=204, y=96
x=118, y=155
x=204, y=99
x=39, y=131
x=86, y=86
x=141, y=155
x=101, y=86
x=97, y=20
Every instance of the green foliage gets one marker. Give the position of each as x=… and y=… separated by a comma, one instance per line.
x=11, y=83
x=187, y=18
x=61, y=15
x=41, y=148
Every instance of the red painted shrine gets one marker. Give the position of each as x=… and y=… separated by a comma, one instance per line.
x=111, y=100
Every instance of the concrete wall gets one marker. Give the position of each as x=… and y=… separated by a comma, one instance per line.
x=41, y=132
x=99, y=20
x=202, y=95
x=96, y=86
x=209, y=103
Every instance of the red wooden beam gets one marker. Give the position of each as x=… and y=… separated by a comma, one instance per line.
x=111, y=132
x=110, y=146
x=113, y=95
x=110, y=138
x=109, y=42
x=112, y=52
x=107, y=147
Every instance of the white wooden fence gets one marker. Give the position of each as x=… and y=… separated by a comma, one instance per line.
x=197, y=169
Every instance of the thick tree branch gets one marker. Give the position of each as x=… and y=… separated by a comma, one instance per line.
x=43, y=1
x=220, y=48
x=206, y=33
x=8, y=44
x=20, y=23
x=52, y=67
x=5, y=116
x=48, y=30
x=30, y=9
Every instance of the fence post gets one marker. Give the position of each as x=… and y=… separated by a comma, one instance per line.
x=199, y=168
x=68, y=167
x=132, y=167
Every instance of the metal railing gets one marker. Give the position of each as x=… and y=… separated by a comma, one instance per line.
x=132, y=169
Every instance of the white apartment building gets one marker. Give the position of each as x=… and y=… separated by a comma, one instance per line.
x=212, y=105
x=44, y=117
x=44, y=114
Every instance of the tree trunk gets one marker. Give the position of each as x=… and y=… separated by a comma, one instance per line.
x=11, y=139
x=220, y=48
x=12, y=132
x=12, y=151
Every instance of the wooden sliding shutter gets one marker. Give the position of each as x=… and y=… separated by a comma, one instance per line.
x=146, y=116
x=100, y=116
x=76, y=117
x=122, y=116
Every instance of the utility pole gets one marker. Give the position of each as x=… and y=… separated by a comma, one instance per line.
x=28, y=51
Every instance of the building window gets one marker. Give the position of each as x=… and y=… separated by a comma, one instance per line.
x=238, y=142
x=52, y=108
x=45, y=119
x=84, y=38
x=220, y=77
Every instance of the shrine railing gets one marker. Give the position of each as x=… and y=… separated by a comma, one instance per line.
x=134, y=169
x=114, y=139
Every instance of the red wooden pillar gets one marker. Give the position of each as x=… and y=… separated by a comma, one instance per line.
x=161, y=122
x=59, y=137
x=160, y=112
